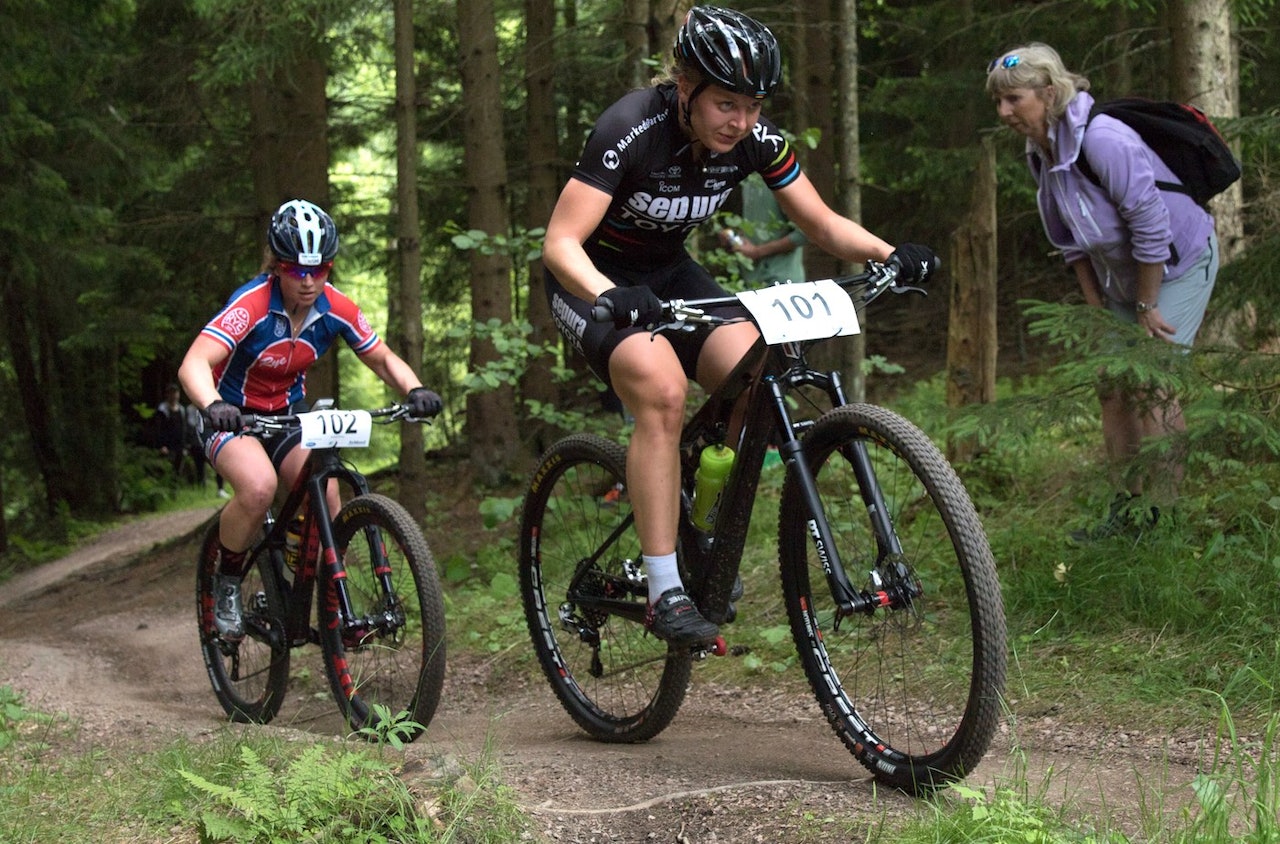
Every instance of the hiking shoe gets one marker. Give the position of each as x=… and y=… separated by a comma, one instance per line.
x=675, y=619
x=1125, y=517
x=228, y=617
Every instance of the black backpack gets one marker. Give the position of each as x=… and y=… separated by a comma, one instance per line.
x=1184, y=139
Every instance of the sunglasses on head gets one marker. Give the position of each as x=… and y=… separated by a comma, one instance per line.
x=299, y=271
x=1006, y=62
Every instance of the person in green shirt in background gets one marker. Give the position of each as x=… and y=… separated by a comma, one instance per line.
x=767, y=237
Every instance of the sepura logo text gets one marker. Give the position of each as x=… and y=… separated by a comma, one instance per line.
x=570, y=322
x=662, y=213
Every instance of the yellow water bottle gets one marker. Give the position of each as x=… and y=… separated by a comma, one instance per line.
x=293, y=542
x=713, y=469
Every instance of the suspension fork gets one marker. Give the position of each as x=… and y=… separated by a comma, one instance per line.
x=849, y=599
x=327, y=467
x=791, y=450
x=868, y=484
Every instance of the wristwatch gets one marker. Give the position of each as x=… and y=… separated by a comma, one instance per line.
x=1143, y=307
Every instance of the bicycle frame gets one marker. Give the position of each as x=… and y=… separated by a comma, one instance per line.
x=767, y=374
x=308, y=496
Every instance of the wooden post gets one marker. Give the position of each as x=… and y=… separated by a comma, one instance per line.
x=971, y=331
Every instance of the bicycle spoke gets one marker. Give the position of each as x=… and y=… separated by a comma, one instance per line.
x=912, y=684
x=387, y=660
x=248, y=677
x=578, y=544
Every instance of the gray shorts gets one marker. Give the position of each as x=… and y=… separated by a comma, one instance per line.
x=1182, y=299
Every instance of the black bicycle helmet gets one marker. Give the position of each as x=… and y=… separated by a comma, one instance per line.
x=730, y=49
x=301, y=232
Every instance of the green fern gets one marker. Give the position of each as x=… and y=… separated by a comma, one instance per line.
x=320, y=797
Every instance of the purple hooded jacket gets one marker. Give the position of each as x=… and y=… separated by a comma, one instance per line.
x=1126, y=221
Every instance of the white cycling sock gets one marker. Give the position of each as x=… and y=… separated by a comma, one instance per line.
x=662, y=574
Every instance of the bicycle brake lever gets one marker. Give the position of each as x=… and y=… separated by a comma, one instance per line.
x=906, y=288
x=677, y=325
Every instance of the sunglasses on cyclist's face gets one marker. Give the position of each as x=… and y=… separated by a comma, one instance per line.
x=300, y=271
x=1006, y=62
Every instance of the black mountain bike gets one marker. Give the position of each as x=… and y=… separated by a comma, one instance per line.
x=379, y=610
x=888, y=580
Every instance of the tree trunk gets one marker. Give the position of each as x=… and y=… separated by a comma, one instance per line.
x=635, y=28
x=1206, y=73
x=68, y=394
x=289, y=159
x=491, y=415
x=813, y=109
x=972, y=334
x=850, y=353
x=33, y=390
x=413, y=463
x=665, y=17
x=4, y=524
x=538, y=383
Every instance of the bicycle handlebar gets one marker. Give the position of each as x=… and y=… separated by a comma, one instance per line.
x=875, y=280
x=261, y=422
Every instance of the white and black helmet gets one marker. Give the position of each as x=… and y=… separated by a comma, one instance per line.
x=732, y=50
x=302, y=233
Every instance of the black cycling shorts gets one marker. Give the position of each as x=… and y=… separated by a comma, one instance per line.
x=597, y=340
x=278, y=444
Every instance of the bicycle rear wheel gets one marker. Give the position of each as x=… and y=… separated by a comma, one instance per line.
x=386, y=664
x=913, y=688
x=578, y=548
x=249, y=677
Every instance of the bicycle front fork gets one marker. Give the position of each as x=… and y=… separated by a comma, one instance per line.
x=891, y=584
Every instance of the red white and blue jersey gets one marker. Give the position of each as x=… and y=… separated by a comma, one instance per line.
x=638, y=154
x=267, y=368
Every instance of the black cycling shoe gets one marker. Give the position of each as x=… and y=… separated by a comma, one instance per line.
x=675, y=619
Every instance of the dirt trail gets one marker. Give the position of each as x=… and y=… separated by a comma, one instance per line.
x=108, y=636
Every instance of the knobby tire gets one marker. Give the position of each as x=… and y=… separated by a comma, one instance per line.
x=914, y=692
x=388, y=672
x=617, y=682
x=249, y=677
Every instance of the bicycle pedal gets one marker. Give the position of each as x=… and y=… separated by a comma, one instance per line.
x=716, y=648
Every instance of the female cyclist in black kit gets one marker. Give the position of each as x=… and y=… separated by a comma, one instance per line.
x=659, y=162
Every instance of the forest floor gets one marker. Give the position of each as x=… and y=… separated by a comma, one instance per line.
x=107, y=635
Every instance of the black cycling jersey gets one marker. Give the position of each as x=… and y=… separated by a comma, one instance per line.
x=638, y=153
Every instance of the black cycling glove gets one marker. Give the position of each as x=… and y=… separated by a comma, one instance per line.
x=916, y=264
x=224, y=416
x=630, y=306
x=423, y=403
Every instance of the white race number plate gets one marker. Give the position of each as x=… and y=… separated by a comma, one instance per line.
x=810, y=310
x=336, y=428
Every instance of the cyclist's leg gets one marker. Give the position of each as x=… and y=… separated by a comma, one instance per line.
x=651, y=383
x=244, y=463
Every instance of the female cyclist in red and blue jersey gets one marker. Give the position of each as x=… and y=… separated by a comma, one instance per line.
x=659, y=162
x=253, y=357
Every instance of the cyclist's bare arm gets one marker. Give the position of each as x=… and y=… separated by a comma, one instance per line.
x=579, y=210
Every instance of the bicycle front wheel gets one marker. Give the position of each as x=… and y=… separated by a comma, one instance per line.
x=386, y=662
x=249, y=677
x=584, y=596
x=912, y=682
